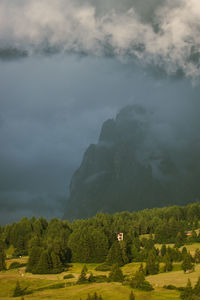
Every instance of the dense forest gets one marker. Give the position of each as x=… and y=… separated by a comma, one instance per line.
x=53, y=245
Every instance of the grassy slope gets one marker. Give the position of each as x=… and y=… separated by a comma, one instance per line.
x=108, y=290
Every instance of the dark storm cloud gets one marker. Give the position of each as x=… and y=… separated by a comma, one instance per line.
x=162, y=33
x=52, y=109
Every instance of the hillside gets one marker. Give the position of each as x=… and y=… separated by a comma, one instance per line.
x=131, y=168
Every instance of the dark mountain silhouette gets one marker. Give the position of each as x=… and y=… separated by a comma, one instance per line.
x=130, y=169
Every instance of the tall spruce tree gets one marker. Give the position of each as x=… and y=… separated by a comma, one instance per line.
x=197, y=288
x=152, y=265
x=2, y=257
x=44, y=265
x=83, y=276
x=168, y=263
x=116, y=274
x=18, y=291
x=138, y=281
x=187, y=264
x=197, y=256
x=179, y=240
x=34, y=256
x=132, y=296
x=115, y=255
x=163, y=250
x=187, y=293
x=56, y=263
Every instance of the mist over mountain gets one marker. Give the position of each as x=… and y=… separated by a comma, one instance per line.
x=161, y=33
x=131, y=167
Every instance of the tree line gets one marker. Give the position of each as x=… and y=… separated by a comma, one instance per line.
x=52, y=245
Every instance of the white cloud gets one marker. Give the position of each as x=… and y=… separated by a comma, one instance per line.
x=74, y=26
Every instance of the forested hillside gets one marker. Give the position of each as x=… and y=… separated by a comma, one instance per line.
x=52, y=245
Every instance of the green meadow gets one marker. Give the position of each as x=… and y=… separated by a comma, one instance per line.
x=53, y=286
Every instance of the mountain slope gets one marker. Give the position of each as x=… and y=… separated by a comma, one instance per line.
x=130, y=169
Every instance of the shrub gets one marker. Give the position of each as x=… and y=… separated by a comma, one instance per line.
x=15, y=265
x=170, y=287
x=68, y=276
x=101, y=278
x=103, y=268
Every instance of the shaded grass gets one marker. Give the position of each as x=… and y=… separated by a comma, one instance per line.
x=52, y=286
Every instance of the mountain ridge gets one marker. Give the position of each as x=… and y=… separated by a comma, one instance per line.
x=129, y=169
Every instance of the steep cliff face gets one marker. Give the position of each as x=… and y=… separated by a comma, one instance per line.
x=129, y=169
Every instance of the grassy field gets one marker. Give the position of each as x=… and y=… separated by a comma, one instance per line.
x=45, y=286
x=190, y=248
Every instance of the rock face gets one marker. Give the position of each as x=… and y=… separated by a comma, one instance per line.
x=130, y=169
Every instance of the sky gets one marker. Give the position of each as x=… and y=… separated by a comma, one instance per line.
x=67, y=66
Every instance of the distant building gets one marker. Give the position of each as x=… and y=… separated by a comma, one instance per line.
x=120, y=236
x=188, y=233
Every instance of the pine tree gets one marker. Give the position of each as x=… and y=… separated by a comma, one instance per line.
x=197, y=288
x=152, y=266
x=197, y=256
x=116, y=274
x=132, y=296
x=194, y=237
x=187, y=263
x=91, y=278
x=187, y=293
x=179, y=240
x=138, y=281
x=83, y=276
x=134, y=252
x=115, y=255
x=163, y=250
x=45, y=264
x=94, y=297
x=33, y=260
x=184, y=251
x=56, y=263
x=18, y=291
x=2, y=257
x=168, y=263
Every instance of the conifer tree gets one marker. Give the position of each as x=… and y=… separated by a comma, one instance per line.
x=187, y=293
x=91, y=278
x=56, y=263
x=179, y=240
x=134, y=252
x=116, y=274
x=187, y=263
x=197, y=256
x=184, y=251
x=132, y=296
x=194, y=237
x=138, y=281
x=163, y=250
x=168, y=263
x=197, y=288
x=44, y=265
x=2, y=257
x=18, y=291
x=83, y=276
x=152, y=266
x=115, y=255
x=124, y=252
x=33, y=260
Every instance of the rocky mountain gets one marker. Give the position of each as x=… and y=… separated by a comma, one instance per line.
x=131, y=168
